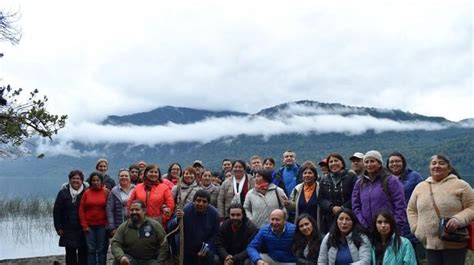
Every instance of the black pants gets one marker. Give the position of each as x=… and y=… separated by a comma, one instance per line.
x=446, y=256
x=76, y=256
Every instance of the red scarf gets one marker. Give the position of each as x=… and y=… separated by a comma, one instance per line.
x=262, y=187
x=149, y=184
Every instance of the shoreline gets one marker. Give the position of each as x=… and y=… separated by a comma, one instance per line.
x=40, y=260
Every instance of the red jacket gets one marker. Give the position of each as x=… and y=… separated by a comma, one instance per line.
x=157, y=197
x=92, y=207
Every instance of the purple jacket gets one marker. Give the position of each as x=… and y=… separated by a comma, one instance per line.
x=368, y=197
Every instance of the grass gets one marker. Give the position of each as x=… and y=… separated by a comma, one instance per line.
x=28, y=206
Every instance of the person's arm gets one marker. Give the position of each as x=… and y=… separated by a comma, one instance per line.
x=116, y=244
x=323, y=251
x=356, y=203
x=412, y=210
x=465, y=216
x=325, y=202
x=252, y=230
x=254, y=245
x=163, y=250
x=221, y=242
x=221, y=200
x=248, y=206
x=365, y=252
x=109, y=209
x=398, y=201
x=82, y=212
x=57, y=213
x=407, y=252
x=348, y=203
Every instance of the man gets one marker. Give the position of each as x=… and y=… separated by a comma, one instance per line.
x=140, y=240
x=323, y=166
x=357, y=165
x=201, y=225
x=199, y=168
x=289, y=171
x=277, y=238
x=234, y=236
x=256, y=163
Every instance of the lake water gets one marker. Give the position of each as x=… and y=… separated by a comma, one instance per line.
x=22, y=237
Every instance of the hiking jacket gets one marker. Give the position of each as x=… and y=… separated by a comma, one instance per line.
x=360, y=256
x=278, y=246
x=405, y=254
x=154, y=200
x=235, y=244
x=258, y=206
x=295, y=198
x=114, y=207
x=187, y=192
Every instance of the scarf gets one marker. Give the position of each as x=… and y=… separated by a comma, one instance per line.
x=211, y=188
x=149, y=184
x=74, y=192
x=308, y=191
x=262, y=187
x=238, y=190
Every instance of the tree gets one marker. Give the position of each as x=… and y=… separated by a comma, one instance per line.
x=21, y=120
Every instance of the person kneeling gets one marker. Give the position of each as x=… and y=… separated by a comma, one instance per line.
x=140, y=240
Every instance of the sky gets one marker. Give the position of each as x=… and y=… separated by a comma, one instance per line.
x=98, y=58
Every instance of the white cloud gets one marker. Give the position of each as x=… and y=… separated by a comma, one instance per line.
x=94, y=60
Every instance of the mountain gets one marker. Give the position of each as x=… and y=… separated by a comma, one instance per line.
x=32, y=176
x=167, y=114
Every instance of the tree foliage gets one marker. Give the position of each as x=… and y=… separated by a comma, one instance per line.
x=22, y=119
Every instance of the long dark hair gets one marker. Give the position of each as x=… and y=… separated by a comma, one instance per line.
x=334, y=239
x=404, y=164
x=377, y=238
x=300, y=241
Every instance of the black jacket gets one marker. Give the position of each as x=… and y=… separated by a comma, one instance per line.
x=66, y=218
x=235, y=244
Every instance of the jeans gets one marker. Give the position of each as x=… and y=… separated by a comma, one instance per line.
x=76, y=256
x=446, y=256
x=97, y=245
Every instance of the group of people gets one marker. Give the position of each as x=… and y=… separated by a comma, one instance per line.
x=256, y=213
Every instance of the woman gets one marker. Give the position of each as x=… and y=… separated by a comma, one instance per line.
x=377, y=190
x=207, y=185
x=263, y=199
x=66, y=219
x=156, y=195
x=346, y=242
x=102, y=165
x=117, y=202
x=397, y=166
x=336, y=190
x=454, y=198
x=134, y=171
x=269, y=164
x=235, y=188
x=188, y=187
x=174, y=173
x=94, y=219
x=307, y=240
x=388, y=247
x=305, y=196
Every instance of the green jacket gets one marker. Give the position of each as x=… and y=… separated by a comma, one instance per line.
x=143, y=243
x=405, y=255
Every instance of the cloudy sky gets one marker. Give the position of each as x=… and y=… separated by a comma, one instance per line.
x=98, y=58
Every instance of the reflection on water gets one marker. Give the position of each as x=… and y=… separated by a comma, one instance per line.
x=22, y=237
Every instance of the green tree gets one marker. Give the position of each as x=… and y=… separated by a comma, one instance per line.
x=20, y=119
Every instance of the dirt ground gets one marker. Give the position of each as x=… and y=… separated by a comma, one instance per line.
x=48, y=260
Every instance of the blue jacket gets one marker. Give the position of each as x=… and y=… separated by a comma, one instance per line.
x=410, y=179
x=291, y=176
x=405, y=255
x=279, y=247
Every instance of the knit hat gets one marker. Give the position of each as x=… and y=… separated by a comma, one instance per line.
x=374, y=154
x=100, y=161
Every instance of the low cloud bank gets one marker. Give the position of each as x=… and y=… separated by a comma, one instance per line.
x=215, y=128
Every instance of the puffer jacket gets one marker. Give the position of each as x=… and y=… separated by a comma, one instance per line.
x=226, y=195
x=258, y=206
x=114, y=207
x=154, y=200
x=360, y=256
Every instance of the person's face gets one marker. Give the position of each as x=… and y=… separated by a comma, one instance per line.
x=395, y=165
x=75, y=182
x=226, y=165
x=335, y=165
x=175, y=171
x=142, y=165
x=238, y=170
x=152, y=174
x=324, y=168
x=439, y=169
x=344, y=223
x=188, y=177
x=137, y=214
x=305, y=227
x=134, y=174
x=357, y=164
x=124, y=179
x=383, y=226
x=236, y=216
x=308, y=176
x=277, y=221
x=228, y=174
x=200, y=204
x=256, y=164
x=268, y=165
x=102, y=167
x=259, y=179
x=96, y=183
x=206, y=178
x=198, y=170
x=372, y=165
x=289, y=158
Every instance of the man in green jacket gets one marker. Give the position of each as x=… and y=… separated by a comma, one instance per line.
x=140, y=240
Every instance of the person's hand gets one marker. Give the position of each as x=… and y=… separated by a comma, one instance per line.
x=124, y=261
x=166, y=211
x=202, y=253
x=86, y=230
x=453, y=224
x=336, y=209
x=229, y=260
x=261, y=262
x=179, y=213
x=60, y=232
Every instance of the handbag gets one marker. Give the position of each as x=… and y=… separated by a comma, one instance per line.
x=470, y=228
x=459, y=235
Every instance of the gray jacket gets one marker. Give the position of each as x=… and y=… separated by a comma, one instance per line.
x=258, y=206
x=361, y=256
